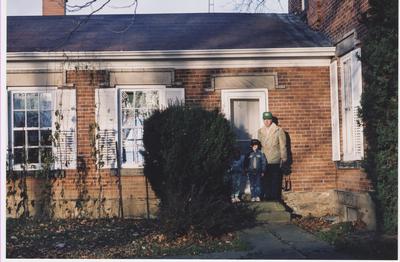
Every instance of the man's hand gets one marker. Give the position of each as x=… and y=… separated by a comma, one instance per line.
x=262, y=174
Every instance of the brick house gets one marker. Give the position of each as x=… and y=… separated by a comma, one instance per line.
x=68, y=75
x=340, y=22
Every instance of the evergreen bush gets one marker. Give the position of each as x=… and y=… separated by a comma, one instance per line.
x=380, y=106
x=188, y=152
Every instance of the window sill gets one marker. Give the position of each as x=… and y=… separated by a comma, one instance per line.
x=15, y=174
x=348, y=164
x=133, y=171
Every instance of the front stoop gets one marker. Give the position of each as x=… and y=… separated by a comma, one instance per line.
x=271, y=211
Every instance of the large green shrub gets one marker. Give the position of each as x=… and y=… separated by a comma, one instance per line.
x=380, y=106
x=188, y=151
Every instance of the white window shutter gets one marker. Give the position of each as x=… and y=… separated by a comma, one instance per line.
x=356, y=80
x=65, y=117
x=175, y=96
x=335, y=112
x=106, y=118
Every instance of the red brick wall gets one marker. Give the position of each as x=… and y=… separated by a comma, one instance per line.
x=341, y=16
x=294, y=6
x=91, y=185
x=314, y=14
x=303, y=109
x=335, y=18
x=53, y=7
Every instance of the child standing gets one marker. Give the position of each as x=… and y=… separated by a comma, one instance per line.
x=237, y=172
x=255, y=164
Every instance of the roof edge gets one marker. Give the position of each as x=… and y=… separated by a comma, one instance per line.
x=174, y=54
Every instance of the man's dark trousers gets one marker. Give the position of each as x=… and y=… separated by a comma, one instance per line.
x=272, y=182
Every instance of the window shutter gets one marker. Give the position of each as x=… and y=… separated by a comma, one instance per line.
x=335, y=112
x=356, y=80
x=175, y=96
x=106, y=118
x=65, y=117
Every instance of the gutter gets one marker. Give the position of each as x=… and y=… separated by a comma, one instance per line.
x=283, y=53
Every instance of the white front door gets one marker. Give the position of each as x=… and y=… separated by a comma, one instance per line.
x=244, y=109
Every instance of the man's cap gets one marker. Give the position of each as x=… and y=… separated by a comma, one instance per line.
x=267, y=115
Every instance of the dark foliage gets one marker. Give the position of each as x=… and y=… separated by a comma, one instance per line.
x=188, y=151
x=380, y=105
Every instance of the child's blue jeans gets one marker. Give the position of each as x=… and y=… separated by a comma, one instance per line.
x=255, y=184
x=236, y=184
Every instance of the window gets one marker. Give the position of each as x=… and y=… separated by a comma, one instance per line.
x=31, y=124
x=120, y=113
x=135, y=107
x=351, y=87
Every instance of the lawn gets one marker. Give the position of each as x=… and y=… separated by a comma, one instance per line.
x=106, y=238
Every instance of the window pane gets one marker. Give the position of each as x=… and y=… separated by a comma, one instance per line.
x=19, y=119
x=127, y=99
x=18, y=155
x=33, y=138
x=347, y=85
x=45, y=155
x=19, y=138
x=127, y=145
x=32, y=119
x=45, y=137
x=45, y=118
x=152, y=100
x=138, y=133
x=140, y=116
x=138, y=148
x=33, y=155
x=32, y=101
x=140, y=99
x=19, y=101
x=45, y=101
x=127, y=118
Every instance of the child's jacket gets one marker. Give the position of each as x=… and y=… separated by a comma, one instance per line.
x=237, y=165
x=255, y=162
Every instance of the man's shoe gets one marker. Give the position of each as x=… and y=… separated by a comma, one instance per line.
x=237, y=199
x=257, y=199
x=253, y=199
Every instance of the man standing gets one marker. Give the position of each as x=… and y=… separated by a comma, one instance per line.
x=273, y=141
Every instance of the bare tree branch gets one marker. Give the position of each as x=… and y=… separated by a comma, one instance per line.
x=80, y=23
x=256, y=6
x=134, y=3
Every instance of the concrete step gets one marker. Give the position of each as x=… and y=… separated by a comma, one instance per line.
x=274, y=216
x=271, y=211
x=267, y=206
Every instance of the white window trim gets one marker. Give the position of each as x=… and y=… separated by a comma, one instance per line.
x=21, y=89
x=163, y=104
x=335, y=111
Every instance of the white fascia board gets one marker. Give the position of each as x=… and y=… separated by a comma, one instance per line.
x=175, y=54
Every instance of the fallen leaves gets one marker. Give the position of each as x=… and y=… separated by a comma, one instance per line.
x=104, y=238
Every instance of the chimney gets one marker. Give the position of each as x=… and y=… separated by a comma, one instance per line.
x=53, y=7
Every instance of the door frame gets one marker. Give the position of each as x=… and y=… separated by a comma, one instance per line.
x=228, y=94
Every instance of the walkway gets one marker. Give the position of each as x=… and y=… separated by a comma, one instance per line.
x=278, y=241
